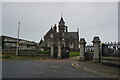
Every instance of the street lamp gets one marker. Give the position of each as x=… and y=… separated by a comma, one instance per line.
x=18, y=39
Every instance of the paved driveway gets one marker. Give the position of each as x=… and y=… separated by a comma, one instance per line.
x=43, y=69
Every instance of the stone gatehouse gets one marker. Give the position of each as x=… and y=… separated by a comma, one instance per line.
x=68, y=39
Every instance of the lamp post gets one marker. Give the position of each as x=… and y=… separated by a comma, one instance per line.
x=18, y=39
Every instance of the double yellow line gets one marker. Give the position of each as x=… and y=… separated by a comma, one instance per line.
x=95, y=72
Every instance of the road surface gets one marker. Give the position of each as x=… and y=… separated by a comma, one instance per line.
x=43, y=69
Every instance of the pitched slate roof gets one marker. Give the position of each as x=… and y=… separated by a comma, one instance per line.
x=73, y=34
x=41, y=41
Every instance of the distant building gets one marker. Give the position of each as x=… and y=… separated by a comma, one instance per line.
x=68, y=39
x=89, y=48
x=10, y=43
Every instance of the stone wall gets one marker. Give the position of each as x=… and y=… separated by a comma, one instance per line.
x=101, y=53
x=20, y=52
x=110, y=61
x=31, y=53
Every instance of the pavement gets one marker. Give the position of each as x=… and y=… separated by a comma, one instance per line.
x=98, y=68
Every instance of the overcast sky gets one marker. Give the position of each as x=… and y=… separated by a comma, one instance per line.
x=92, y=19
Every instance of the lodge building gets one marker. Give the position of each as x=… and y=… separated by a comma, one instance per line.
x=68, y=39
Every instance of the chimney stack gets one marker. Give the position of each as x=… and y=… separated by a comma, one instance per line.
x=55, y=28
x=66, y=29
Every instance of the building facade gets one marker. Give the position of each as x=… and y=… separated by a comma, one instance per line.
x=10, y=43
x=68, y=39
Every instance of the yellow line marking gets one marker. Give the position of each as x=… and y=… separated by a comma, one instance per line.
x=92, y=71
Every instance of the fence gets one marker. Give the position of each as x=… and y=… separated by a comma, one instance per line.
x=110, y=53
x=110, y=50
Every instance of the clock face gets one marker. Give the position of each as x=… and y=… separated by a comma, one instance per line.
x=51, y=35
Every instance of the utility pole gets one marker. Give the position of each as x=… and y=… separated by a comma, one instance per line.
x=17, y=49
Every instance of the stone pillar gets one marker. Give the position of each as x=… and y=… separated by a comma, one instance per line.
x=59, y=56
x=82, y=49
x=96, y=43
x=52, y=51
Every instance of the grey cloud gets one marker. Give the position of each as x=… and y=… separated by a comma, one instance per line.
x=36, y=19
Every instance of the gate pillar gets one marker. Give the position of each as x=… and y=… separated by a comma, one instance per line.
x=96, y=43
x=59, y=55
x=82, y=49
x=52, y=51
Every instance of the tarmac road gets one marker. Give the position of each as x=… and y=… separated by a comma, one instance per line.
x=43, y=69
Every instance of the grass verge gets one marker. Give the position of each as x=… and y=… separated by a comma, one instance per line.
x=72, y=54
x=13, y=57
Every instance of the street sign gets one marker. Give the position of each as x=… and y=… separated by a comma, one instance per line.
x=17, y=43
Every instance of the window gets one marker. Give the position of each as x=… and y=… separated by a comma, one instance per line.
x=71, y=45
x=7, y=44
x=51, y=35
x=63, y=34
